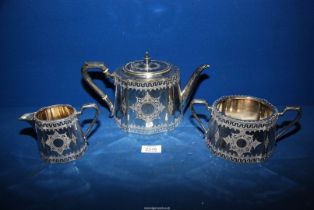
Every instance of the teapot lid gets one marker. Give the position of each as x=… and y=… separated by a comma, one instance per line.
x=147, y=67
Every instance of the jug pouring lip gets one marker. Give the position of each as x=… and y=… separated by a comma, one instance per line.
x=29, y=117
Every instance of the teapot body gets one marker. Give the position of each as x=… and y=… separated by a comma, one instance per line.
x=147, y=105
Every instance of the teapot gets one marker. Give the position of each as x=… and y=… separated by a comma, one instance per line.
x=148, y=98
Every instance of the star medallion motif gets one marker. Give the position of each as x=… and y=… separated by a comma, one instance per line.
x=147, y=108
x=66, y=141
x=247, y=140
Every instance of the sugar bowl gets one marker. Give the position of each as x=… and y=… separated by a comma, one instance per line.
x=243, y=128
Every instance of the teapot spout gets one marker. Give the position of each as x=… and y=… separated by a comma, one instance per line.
x=29, y=117
x=189, y=88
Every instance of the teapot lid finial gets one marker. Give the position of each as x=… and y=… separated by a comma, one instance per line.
x=147, y=67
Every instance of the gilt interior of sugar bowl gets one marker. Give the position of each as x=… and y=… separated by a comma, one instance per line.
x=245, y=108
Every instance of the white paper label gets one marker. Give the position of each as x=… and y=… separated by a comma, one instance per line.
x=151, y=149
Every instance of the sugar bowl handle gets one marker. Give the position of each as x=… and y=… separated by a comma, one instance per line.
x=89, y=106
x=88, y=79
x=209, y=108
x=297, y=118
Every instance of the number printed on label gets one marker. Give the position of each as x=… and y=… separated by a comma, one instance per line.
x=151, y=149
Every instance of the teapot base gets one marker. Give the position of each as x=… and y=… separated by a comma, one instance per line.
x=160, y=128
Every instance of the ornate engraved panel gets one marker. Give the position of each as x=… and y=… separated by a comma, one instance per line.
x=149, y=130
x=248, y=158
x=64, y=138
x=241, y=142
x=148, y=85
x=148, y=108
x=235, y=124
x=60, y=139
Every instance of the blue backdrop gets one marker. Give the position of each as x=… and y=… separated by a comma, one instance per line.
x=263, y=48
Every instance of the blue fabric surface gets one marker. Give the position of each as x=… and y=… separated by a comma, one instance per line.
x=114, y=174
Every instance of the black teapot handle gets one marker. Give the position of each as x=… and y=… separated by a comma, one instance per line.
x=88, y=79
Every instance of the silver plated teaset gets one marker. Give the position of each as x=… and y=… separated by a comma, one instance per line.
x=148, y=100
